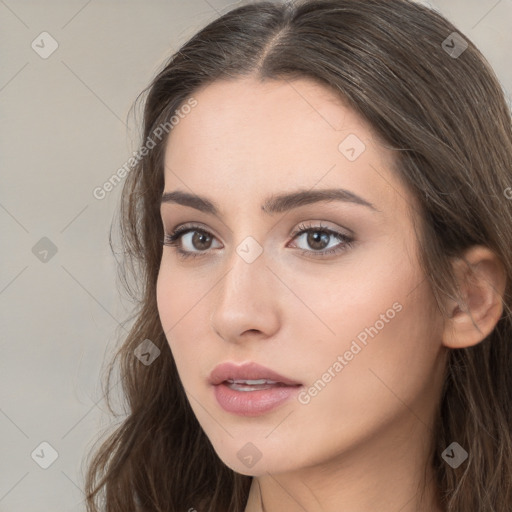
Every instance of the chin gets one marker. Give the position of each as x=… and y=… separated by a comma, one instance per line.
x=240, y=462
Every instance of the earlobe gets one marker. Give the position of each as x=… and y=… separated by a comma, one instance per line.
x=482, y=281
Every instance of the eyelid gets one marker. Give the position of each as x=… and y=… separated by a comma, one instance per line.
x=321, y=226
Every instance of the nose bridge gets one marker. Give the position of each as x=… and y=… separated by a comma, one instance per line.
x=245, y=283
x=246, y=296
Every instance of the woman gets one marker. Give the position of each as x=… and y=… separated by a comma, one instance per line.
x=322, y=231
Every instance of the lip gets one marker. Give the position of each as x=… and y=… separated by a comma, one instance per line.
x=253, y=402
x=248, y=371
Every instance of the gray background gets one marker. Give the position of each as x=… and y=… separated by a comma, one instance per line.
x=64, y=132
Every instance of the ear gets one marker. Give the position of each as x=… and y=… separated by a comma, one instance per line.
x=482, y=280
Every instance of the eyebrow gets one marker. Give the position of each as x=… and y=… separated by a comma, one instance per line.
x=275, y=203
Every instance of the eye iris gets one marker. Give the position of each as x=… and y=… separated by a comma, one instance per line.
x=313, y=239
x=200, y=237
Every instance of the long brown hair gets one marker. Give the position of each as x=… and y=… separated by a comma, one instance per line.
x=446, y=115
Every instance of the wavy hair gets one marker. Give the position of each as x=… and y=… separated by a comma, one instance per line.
x=448, y=120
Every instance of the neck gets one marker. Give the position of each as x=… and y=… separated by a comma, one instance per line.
x=387, y=471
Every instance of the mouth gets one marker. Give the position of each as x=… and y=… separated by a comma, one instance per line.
x=250, y=389
x=249, y=374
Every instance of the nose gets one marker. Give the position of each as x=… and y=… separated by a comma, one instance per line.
x=246, y=301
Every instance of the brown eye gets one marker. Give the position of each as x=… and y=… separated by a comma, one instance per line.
x=193, y=241
x=189, y=241
x=316, y=240
x=201, y=240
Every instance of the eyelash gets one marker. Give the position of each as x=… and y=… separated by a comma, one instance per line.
x=174, y=238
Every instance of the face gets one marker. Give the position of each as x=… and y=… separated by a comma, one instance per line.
x=328, y=294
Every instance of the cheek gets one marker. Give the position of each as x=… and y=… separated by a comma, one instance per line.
x=378, y=319
x=383, y=361
x=342, y=302
x=172, y=298
x=164, y=300
x=177, y=296
x=182, y=307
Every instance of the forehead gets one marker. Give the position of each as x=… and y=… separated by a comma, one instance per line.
x=231, y=111
x=255, y=138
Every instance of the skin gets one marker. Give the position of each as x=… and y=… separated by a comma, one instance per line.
x=364, y=439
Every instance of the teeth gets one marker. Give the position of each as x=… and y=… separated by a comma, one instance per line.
x=251, y=385
x=252, y=382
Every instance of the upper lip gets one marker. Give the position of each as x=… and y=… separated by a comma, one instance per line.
x=246, y=371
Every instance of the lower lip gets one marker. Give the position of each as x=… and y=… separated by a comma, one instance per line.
x=252, y=403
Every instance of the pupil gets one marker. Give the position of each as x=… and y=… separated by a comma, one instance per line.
x=313, y=240
x=198, y=239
